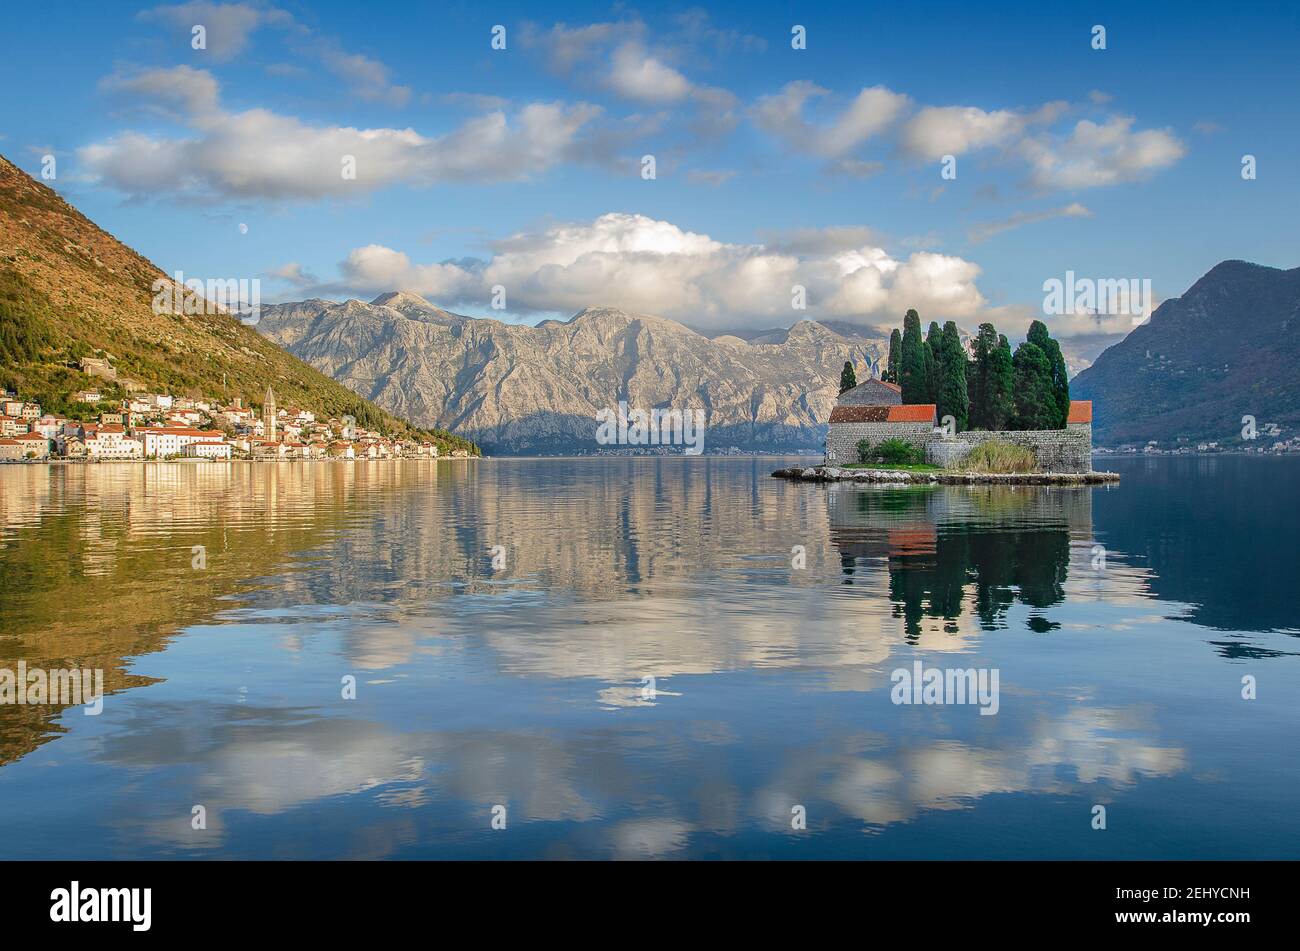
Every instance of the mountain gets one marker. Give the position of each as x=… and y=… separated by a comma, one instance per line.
x=70, y=290
x=520, y=389
x=1228, y=348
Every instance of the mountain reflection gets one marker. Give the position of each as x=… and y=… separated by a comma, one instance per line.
x=526, y=685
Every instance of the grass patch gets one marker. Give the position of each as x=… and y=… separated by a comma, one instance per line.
x=997, y=456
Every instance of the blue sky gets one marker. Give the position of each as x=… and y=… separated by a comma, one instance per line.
x=521, y=168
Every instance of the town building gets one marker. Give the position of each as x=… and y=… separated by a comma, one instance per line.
x=166, y=441
x=111, y=442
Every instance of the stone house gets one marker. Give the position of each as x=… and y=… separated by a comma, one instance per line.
x=874, y=410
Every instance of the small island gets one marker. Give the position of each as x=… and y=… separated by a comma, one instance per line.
x=945, y=414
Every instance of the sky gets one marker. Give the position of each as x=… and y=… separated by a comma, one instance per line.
x=945, y=157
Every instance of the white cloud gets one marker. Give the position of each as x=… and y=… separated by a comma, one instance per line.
x=194, y=92
x=937, y=131
x=368, y=78
x=229, y=28
x=259, y=153
x=651, y=266
x=228, y=25
x=635, y=74
x=870, y=113
x=1100, y=154
x=988, y=229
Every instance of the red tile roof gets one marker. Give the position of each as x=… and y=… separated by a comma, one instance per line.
x=1080, y=411
x=914, y=413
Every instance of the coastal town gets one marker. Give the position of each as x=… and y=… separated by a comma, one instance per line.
x=162, y=427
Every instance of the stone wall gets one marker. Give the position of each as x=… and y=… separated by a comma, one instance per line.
x=842, y=438
x=1057, y=450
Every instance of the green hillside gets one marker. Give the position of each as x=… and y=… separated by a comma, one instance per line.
x=70, y=290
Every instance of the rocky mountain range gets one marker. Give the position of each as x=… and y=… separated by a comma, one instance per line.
x=1227, y=348
x=520, y=389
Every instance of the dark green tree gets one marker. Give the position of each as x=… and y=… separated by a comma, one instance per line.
x=912, y=361
x=1034, y=396
x=895, y=355
x=1001, y=398
x=933, y=368
x=953, y=400
x=848, y=379
x=980, y=371
x=1039, y=336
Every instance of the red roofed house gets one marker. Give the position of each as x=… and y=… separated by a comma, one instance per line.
x=874, y=410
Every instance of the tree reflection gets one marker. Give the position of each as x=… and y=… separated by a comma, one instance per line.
x=951, y=550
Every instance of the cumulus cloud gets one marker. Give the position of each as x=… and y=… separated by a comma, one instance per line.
x=988, y=229
x=259, y=153
x=782, y=116
x=1096, y=154
x=651, y=266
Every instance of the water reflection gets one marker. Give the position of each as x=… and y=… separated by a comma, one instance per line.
x=947, y=552
x=528, y=686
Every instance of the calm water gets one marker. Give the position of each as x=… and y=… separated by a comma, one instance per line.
x=1120, y=666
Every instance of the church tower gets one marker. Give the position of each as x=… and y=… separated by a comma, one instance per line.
x=268, y=414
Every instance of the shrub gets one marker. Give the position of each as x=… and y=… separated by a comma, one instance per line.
x=999, y=456
x=892, y=452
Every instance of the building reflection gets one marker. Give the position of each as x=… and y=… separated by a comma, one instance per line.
x=978, y=551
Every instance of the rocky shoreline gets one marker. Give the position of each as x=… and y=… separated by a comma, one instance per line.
x=899, y=476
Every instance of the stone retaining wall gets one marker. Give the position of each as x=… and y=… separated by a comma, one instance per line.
x=1057, y=450
x=842, y=438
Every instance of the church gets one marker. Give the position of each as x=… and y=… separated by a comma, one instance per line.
x=874, y=410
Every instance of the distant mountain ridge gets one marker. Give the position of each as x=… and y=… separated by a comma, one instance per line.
x=1228, y=348
x=520, y=389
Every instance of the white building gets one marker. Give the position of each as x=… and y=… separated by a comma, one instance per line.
x=112, y=442
x=163, y=441
x=207, y=449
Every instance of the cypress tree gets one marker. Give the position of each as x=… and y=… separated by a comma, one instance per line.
x=895, y=354
x=933, y=368
x=1001, y=401
x=912, y=360
x=1035, y=399
x=953, y=400
x=848, y=379
x=978, y=380
x=1039, y=336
